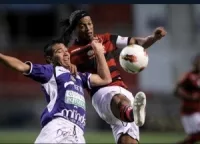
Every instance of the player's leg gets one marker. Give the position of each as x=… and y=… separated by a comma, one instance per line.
x=191, y=139
x=122, y=108
x=46, y=135
x=75, y=137
x=122, y=131
x=126, y=139
x=128, y=133
x=116, y=102
x=191, y=126
x=60, y=130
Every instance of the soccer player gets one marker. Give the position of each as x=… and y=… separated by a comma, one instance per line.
x=188, y=91
x=63, y=120
x=113, y=102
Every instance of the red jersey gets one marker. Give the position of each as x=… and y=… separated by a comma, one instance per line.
x=191, y=84
x=81, y=57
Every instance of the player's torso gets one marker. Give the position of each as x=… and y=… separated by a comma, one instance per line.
x=65, y=96
x=83, y=57
x=192, y=85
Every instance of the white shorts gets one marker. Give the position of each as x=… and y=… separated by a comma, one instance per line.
x=60, y=130
x=101, y=101
x=191, y=123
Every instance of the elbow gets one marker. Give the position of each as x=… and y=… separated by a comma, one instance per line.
x=108, y=80
x=21, y=69
x=132, y=41
x=141, y=41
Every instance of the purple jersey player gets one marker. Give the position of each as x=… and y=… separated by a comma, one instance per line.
x=63, y=120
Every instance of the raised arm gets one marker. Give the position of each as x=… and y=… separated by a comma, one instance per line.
x=14, y=63
x=37, y=72
x=146, y=42
x=103, y=76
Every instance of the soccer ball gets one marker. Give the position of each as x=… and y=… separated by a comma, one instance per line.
x=133, y=59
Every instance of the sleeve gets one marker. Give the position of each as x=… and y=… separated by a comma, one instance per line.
x=86, y=79
x=119, y=41
x=40, y=73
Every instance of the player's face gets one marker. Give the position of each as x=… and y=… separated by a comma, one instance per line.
x=85, y=28
x=61, y=55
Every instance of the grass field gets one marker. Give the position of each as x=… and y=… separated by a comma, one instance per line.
x=92, y=137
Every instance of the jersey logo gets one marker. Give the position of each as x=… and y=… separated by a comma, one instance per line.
x=75, y=98
x=90, y=53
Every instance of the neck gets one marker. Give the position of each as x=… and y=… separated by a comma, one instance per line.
x=65, y=65
x=82, y=41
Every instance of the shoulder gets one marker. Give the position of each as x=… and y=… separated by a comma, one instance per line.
x=39, y=67
x=48, y=67
x=104, y=36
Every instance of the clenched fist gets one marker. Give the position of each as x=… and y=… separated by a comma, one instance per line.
x=159, y=33
x=97, y=46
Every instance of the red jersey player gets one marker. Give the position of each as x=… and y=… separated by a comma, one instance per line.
x=113, y=102
x=188, y=90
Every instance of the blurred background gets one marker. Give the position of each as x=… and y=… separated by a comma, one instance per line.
x=26, y=28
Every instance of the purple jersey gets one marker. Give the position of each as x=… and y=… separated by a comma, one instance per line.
x=64, y=93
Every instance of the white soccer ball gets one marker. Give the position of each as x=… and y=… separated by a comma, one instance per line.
x=133, y=58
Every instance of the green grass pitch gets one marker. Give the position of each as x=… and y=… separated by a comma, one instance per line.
x=92, y=137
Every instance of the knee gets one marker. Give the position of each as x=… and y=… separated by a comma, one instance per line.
x=126, y=139
x=119, y=100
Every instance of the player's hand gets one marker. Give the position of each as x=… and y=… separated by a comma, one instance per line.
x=97, y=46
x=73, y=69
x=159, y=33
x=98, y=39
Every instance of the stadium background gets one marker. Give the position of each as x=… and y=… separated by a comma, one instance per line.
x=25, y=29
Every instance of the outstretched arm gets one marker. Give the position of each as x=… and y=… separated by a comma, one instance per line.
x=103, y=76
x=149, y=40
x=145, y=42
x=14, y=63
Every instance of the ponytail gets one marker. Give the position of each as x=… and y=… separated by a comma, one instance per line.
x=67, y=31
